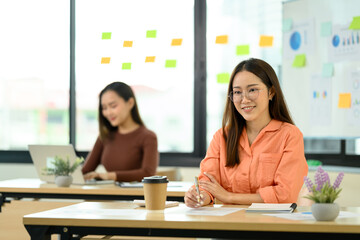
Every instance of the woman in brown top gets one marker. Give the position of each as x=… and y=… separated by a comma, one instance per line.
x=125, y=147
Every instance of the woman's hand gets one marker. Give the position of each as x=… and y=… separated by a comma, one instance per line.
x=91, y=175
x=193, y=200
x=215, y=189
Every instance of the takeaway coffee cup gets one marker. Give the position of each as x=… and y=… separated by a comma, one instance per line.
x=155, y=192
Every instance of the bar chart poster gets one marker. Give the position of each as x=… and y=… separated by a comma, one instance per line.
x=344, y=44
x=320, y=100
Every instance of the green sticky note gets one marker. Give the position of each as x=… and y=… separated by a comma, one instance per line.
x=106, y=35
x=151, y=34
x=299, y=60
x=326, y=29
x=170, y=63
x=223, y=78
x=126, y=66
x=242, y=50
x=287, y=25
x=355, y=24
x=328, y=70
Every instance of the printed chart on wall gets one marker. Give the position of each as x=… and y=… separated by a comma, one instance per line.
x=344, y=44
x=320, y=100
x=354, y=111
x=300, y=39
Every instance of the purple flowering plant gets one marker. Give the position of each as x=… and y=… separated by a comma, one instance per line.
x=322, y=191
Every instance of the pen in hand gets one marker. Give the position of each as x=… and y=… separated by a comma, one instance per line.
x=197, y=188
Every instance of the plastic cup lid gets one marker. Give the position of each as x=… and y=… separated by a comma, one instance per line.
x=155, y=179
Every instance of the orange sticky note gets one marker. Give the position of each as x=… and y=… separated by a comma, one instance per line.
x=150, y=59
x=344, y=100
x=266, y=41
x=128, y=43
x=105, y=60
x=176, y=42
x=223, y=39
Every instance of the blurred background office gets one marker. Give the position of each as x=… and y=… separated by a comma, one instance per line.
x=55, y=57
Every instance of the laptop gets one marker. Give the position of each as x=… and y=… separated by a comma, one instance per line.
x=43, y=156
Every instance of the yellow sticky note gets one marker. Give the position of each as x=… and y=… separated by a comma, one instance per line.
x=128, y=43
x=151, y=34
x=299, y=60
x=266, y=41
x=126, y=66
x=355, y=24
x=106, y=35
x=105, y=60
x=344, y=100
x=170, y=63
x=242, y=50
x=223, y=78
x=176, y=42
x=150, y=59
x=223, y=39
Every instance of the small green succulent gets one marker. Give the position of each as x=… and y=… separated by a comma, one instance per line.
x=63, y=167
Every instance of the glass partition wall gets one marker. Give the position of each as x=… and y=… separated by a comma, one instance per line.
x=151, y=45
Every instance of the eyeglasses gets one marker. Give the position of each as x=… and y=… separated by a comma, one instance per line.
x=251, y=94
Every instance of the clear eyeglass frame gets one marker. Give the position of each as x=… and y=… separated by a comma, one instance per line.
x=251, y=94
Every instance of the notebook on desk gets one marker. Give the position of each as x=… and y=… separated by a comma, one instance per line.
x=43, y=156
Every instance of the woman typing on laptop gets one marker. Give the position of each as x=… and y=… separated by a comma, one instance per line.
x=125, y=147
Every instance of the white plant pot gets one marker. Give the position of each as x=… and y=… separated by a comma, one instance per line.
x=63, y=181
x=325, y=211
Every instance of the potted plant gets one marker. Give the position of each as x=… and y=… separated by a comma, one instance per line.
x=324, y=194
x=62, y=170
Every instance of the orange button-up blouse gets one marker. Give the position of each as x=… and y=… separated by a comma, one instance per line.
x=273, y=166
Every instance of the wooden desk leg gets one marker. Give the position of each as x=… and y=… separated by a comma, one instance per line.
x=2, y=201
x=38, y=232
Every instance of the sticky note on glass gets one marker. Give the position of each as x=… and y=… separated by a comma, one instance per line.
x=344, y=100
x=170, y=63
x=128, y=43
x=176, y=42
x=151, y=34
x=287, y=25
x=126, y=66
x=106, y=35
x=105, y=60
x=266, y=41
x=355, y=24
x=150, y=59
x=328, y=70
x=326, y=29
x=223, y=78
x=223, y=39
x=299, y=60
x=242, y=50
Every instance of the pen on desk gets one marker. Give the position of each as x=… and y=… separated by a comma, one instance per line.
x=197, y=188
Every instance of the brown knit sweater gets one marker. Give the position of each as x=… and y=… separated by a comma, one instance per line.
x=132, y=156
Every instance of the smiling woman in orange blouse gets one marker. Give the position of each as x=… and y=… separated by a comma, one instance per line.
x=258, y=154
x=125, y=147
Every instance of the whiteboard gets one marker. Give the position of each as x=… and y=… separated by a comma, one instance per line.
x=319, y=29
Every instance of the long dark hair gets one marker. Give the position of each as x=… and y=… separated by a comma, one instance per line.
x=124, y=91
x=233, y=123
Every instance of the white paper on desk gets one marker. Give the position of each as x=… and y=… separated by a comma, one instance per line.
x=301, y=216
x=211, y=211
x=104, y=212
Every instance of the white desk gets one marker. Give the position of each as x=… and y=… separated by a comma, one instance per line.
x=92, y=218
